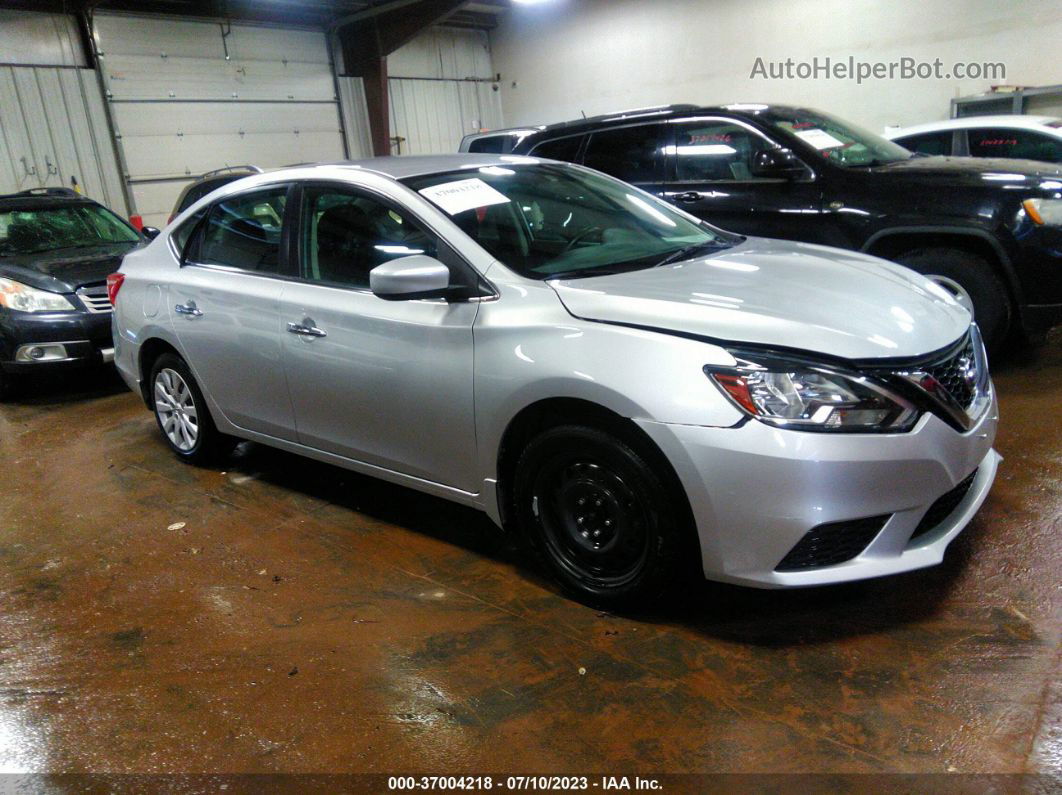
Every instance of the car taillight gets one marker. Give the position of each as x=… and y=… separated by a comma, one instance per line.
x=114, y=284
x=137, y=221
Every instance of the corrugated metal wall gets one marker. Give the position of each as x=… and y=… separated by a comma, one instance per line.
x=53, y=128
x=189, y=97
x=53, y=125
x=30, y=38
x=440, y=90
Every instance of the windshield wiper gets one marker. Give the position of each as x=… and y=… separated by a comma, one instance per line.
x=688, y=251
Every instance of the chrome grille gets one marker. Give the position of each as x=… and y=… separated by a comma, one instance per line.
x=95, y=299
x=956, y=385
x=958, y=374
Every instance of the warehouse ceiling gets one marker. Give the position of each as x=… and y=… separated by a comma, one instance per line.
x=480, y=14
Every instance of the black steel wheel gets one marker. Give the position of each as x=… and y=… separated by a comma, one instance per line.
x=606, y=525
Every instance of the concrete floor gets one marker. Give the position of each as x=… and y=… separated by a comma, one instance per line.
x=279, y=615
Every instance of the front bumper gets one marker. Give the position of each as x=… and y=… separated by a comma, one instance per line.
x=757, y=491
x=85, y=339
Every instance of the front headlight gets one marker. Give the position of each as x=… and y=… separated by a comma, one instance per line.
x=23, y=298
x=1044, y=212
x=809, y=397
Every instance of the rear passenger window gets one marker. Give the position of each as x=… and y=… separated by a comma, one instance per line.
x=244, y=231
x=934, y=143
x=566, y=149
x=633, y=154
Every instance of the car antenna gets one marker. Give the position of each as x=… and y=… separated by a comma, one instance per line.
x=584, y=113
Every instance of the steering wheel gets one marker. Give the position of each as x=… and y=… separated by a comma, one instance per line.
x=579, y=236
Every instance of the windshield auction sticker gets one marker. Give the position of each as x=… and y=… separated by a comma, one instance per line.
x=820, y=139
x=465, y=194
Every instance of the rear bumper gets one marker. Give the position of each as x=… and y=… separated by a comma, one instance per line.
x=85, y=339
x=757, y=491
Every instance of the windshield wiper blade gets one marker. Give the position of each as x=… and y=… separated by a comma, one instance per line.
x=687, y=251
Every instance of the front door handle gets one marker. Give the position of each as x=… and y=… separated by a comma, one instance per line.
x=689, y=197
x=189, y=309
x=306, y=329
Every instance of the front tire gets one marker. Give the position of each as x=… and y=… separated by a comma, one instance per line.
x=605, y=525
x=972, y=281
x=182, y=414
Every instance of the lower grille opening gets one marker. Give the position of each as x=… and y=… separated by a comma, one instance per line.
x=832, y=543
x=943, y=507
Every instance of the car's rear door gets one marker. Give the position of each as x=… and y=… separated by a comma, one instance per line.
x=387, y=383
x=634, y=153
x=225, y=308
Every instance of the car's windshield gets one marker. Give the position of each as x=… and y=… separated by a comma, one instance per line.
x=838, y=141
x=547, y=219
x=32, y=231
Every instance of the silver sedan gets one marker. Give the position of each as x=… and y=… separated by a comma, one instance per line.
x=632, y=390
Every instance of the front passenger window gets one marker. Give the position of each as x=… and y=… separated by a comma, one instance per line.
x=244, y=231
x=718, y=151
x=346, y=235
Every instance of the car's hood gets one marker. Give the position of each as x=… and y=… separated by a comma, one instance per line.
x=997, y=172
x=781, y=294
x=64, y=270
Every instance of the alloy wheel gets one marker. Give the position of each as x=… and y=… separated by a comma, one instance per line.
x=176, y=409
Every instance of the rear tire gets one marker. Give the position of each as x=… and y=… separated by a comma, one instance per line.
x=961, y=271
x=182, y=415
x=604, y=524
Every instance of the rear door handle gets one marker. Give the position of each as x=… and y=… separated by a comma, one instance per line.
x=689, y=197
x=188, y=309
x=306, y=329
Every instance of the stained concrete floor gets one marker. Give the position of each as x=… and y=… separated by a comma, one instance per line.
x=279, y=615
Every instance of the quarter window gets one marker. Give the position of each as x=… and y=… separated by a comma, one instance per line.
x=633, y=154
x=490, y=144
x=1026, y=144
x=346, y=235
x=244, y=231
x=717, y=151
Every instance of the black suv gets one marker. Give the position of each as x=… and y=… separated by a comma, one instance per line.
x=988, y=231
x=56, y=250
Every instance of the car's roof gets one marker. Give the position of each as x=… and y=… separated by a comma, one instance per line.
x=43, y=197
x=747, y=110
x=1011, y=121
x=405, y=166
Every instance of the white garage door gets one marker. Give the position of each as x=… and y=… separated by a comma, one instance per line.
x=191, y=97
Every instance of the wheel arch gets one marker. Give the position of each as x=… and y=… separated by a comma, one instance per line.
x=550, y=412
x=150, y=350
x=890, y=243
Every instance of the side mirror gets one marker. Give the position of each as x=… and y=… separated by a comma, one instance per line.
x=408, y=278
x=777, y=164
x=151, y=232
